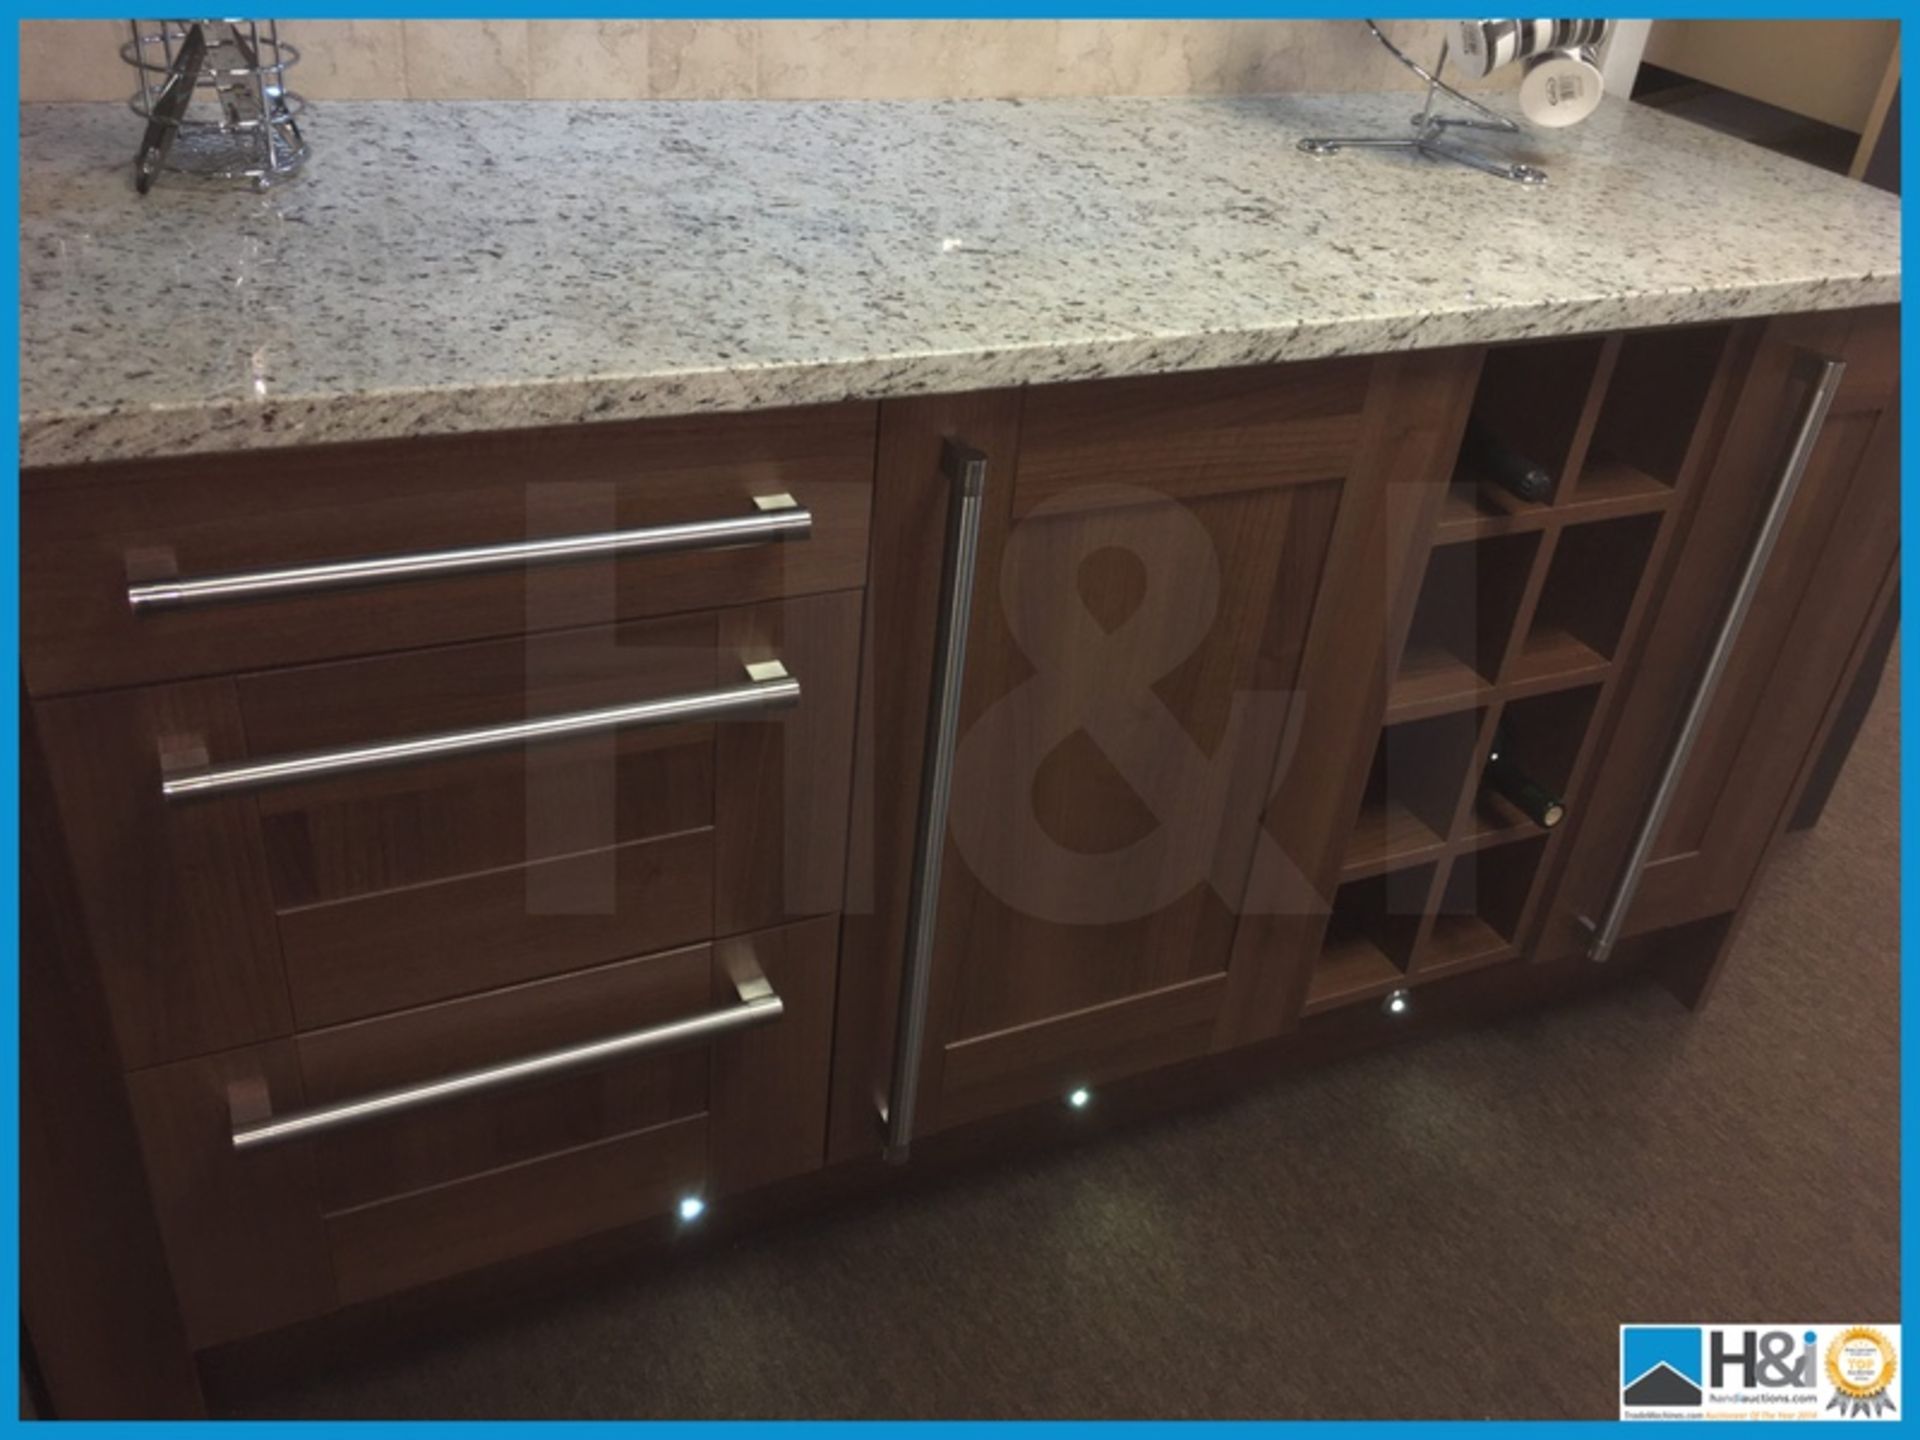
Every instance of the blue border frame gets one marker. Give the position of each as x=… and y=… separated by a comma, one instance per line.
x=823, y=9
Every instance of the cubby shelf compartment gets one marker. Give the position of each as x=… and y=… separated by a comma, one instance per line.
x=1462, y=621
x=1369, y=938
x=1419, y=770
x=1533, y=398
x=1591, y=583
x=1546, y=736
x=1481, y=908
x=1651, y=409
x=1609, y=490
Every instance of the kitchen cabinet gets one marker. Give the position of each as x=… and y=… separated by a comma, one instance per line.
x=459, y=879
x=1428, y=615
x=466, y=869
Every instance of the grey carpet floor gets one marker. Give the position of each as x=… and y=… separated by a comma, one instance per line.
x=1453, y=1229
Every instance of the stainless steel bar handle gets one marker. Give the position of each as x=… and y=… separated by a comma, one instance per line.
x=756, y=1004
x=775, y=517
x=768, y=687
x=1826, y=383
x=966, y=469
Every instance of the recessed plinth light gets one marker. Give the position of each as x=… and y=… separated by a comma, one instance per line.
x=692, y=1207
x=1079, y=1098
x=1398, y=1003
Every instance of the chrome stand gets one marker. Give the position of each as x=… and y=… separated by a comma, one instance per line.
x=251, y=136
x=1430, y=130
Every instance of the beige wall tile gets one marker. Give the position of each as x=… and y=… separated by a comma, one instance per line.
x=721, y=59
x=588, y=59
x=896, y=59
x=347, y=59
x=466, y=59
x=858, y=59
x=1341, y=55
x=703, y=59
x=74, y=60
x=1146, y=57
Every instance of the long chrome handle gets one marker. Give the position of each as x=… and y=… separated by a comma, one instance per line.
x=1825, y=385
x=768, y=687
x=756, y=1005
x=967, y=471
x=776, y=517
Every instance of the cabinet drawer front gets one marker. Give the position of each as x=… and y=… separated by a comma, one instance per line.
x=266, y=1234
x=623, y=844
x=454, y=1139
x=434, y=531
x=420, y=943
x=433, y=1234
x=235, y=916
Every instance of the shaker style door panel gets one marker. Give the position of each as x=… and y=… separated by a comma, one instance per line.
x=1793, y=655
x=1148, y=582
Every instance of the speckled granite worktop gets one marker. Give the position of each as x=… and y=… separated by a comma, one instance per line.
x=466, y=266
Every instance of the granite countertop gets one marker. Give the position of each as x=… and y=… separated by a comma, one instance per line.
x=455, y=266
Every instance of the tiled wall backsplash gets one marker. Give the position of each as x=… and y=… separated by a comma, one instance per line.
x=775, y=59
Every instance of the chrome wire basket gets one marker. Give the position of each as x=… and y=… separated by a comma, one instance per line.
x=239, y=124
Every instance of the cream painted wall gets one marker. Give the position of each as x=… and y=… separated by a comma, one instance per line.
x=788, y=59
x=1829, y=69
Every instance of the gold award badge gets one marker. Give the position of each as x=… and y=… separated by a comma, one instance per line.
x=1861, y=1364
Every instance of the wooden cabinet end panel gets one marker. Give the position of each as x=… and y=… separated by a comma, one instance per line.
x=242, y=1231
x=174, y=894
x=96, y=1295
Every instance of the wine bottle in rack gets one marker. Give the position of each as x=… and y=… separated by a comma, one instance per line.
x=1505, y=776
x=1506, y=467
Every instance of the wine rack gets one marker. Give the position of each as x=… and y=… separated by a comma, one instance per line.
x=1588, y=594
x=1371, y=935
x=1523, y=616
x=1461, y=623
x=1544, y=735
x=1531, y=398
x=1407, y=810
x=1477, y=919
